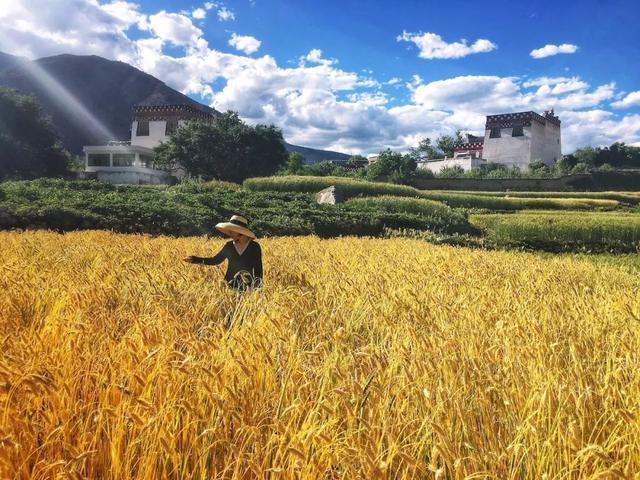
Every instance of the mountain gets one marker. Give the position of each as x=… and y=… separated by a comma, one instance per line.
x=312, y=155
x=8, y=61
x=90, y=98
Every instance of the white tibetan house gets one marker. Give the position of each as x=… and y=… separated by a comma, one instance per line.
x=132, y=161
x=510, y=139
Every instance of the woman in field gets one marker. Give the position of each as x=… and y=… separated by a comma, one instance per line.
x=244, y=256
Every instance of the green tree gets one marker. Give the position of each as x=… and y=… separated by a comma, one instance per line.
x=424, y=150
x=444, y=146
x=29, y=147
x=564, y=165
x=619, y=155
x=586, y=155
x=323, y=169
x=357, y=161
x=538, y=168
x=605, y=167
x=446, y=143
x=397, y=167
x=294, y=164
x=225, y=149
x=580, y=168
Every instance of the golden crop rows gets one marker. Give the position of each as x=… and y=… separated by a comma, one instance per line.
x=361, y=358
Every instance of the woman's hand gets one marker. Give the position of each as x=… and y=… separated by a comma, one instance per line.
x=189, y=259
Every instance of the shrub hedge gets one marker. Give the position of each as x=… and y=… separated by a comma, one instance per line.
x=441, y=217
x=192, y=209
x=348, y=187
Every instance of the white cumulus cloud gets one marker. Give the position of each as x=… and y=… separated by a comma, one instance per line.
x=431, y=45
x=70, y=26
x=245, y=43
x=175, y=28
x=549, y=50
x=224, y=14
x=315, y=56
x=630, y=100
x=199, y=13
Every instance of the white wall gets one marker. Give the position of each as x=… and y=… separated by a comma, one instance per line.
x=465, y=163
x=135, y=177
x=546, y=146
x=553, y=144
x=508, y=150
x=156, y=134
x=537, y=144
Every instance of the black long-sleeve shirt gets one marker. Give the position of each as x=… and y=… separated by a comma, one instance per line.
x=243, y=271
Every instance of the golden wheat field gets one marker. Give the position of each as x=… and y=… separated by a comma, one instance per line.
x=361, y=358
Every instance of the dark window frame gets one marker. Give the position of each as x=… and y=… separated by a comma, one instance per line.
x=118, y=157
x=170, y=127
x=105, y=157
x=518, y=131
x=142, y=128
x=495, y=132
x=146, y=161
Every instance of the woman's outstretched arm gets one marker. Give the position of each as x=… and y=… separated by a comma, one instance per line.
x=215, y=260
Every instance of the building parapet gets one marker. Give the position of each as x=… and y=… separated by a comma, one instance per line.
x=164, y=112
x=508, y=120
x=468, y=146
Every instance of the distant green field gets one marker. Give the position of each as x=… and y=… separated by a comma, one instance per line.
x=417, y=206
x=632, y=198
x=350, y=188
x=563, y=231
x=501, y=203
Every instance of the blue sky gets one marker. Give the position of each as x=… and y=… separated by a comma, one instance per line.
x=360, y=77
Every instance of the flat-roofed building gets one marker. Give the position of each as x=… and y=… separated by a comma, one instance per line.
x=132, y=161
x=511, y=139
x=518, y=139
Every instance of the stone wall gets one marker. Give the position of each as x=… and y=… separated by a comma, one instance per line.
x=601, y=181
x=464, y=163
x=130, y=177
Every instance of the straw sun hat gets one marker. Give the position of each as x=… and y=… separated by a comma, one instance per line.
x=237, y=224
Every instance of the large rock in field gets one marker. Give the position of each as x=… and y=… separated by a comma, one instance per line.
x=329, y=195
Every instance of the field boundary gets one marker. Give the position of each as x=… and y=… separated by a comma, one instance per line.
x=596, y=181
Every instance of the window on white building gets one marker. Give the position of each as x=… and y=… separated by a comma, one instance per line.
x=123, y=159
x=146, y=161
x=143, y=128
x=170, y=127
x=518, y=131
x=98, y=160
x=495, y=132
